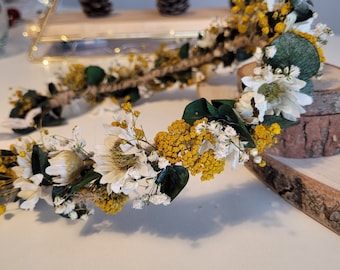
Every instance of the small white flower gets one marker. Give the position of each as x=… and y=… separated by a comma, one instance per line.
x=257, y=159
x=258, y=55
x=160, y=199
x=25, y=165
x=129, y=186
x=138, y=204
x=254, y=152
x=294, y=71
x=64, y=207
x=201, y=127
x=251, y=106
x=163, y=163
x=208, y=41
x=230, y=131
x=153, y=156
x=30, y=190
x=222, y=151
x=270, y=51
x=73, y=215
x=214, y=127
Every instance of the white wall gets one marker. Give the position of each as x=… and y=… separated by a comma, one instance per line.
x=328, y=10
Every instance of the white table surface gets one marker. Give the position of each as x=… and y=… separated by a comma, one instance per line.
x=232, y=222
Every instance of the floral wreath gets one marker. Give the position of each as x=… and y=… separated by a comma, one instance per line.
x=288, y=53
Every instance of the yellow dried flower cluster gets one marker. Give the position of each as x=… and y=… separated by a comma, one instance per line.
x=25, y=102
x=5, y=164
x=166, y=57
x=127, y=107
x=265, y=136
x=2, y=209
x=182, y=144
x=254, y=13
x=245, y=14
x=138, y=63
x=278, y=17
x=75, y=77
x=110, y=203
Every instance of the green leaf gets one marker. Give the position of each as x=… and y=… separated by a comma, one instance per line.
x=219, y=110
x=284, y=123
x=40, y=163
x=229, y=117
x=293, y=49
x=94, y=75
x=218, y=102
x=52, y=89
x=132, y=92
x=199, y=109
x=184, y=76
x=184, y=51
x=308, y=89
x=87, y=178
x=172, y=180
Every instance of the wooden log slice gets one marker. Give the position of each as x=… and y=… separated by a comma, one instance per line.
x=314, y=198
x=318, y=131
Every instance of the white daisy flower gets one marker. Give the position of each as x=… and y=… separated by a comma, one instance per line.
x=31, y=191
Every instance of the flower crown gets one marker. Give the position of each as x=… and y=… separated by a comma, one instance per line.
x=288, y=53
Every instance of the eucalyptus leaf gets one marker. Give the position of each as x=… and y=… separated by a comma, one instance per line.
x=199, y=109
x=172, y=180
x=294, y=50
x=301, y=5
x=308, y=89
x=94, y=75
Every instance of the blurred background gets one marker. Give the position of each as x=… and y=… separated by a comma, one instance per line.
x=328, y=10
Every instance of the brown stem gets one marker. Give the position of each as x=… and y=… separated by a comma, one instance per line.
x=66, y=97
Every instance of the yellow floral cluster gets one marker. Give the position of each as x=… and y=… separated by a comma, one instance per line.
x=254, y=13
x=127, y=107
x=7, y=159
x=272, y=24
x=2, y=209
x=182, y=144
x=265, y=136
x=166, y=57
x=75, y=77
x=110, y=203
x=245, y=14
x=137, y=64
x=18, y=97
x=5, y=163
